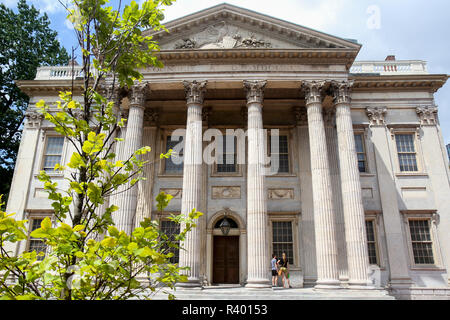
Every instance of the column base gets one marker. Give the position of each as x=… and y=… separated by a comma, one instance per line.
x=190, y=284
x=258, y=284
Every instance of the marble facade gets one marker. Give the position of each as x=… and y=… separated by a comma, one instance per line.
x=226, y=67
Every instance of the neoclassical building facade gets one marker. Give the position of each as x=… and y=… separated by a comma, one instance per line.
x=360, y=195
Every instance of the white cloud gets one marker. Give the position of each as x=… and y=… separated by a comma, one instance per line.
x=68, y=24
x=9, y=3
x=48, y=6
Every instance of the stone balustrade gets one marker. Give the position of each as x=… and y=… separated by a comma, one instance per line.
x=59, y=73
x=390, y=67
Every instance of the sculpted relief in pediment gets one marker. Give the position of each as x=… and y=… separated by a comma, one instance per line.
x=223, y=36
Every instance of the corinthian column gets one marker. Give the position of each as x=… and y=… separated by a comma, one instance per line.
x=258, y=274
x=355, y=230
x=127, y=200
x=324, y=220
x=192, y=180
x=329, y=116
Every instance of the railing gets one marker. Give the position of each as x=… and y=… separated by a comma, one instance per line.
x=59, y=73
x=390, y=67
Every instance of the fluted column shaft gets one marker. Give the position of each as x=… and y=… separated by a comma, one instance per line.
x=258, y=274
x=127, y=201
x=192, y=180
x=332, y=146
x=355, y=230
x=324, y=220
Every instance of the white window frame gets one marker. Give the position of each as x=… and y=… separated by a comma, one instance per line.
x=283, y=132
x=365, y=150
x=292, y=217
x=164, y=135
x=239, y=167
x=165, y=217
x=374, y=220
x=431, y=216
x=34, y=216
x=51, y=134
x=414, y=131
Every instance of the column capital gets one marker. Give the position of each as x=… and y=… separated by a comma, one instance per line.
x=138, y=94
x=376, y=115
x=314, y=91
x=195, y=91
x=34, y=118
x=255, y=90
x=427, y=115
x=342, y=91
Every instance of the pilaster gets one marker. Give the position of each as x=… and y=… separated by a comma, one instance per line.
x=396, y=249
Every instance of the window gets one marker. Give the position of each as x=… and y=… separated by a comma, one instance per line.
x=227, y=163
x=36, y=244
x=422, y=244
x=361, y=152
x=282, y=240
x=173, y=164
x=53, y=153
x=406, y=150
x=282, y=155
x=371, y=241
x=171, y=228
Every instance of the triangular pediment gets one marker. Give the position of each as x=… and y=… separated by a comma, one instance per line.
x=229, y=27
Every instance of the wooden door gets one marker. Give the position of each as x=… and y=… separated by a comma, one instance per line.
x=226, y=260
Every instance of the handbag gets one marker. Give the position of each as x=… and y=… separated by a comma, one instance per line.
x=279, y=272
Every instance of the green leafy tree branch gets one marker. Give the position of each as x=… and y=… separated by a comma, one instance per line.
x=78, y=266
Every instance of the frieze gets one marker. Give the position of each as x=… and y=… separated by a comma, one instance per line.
x=281, y=194
x=176, y=193
x=226, y=192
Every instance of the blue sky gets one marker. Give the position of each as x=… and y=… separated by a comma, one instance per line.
x=410, y=29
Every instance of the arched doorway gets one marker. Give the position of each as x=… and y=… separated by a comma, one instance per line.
x=226, y=242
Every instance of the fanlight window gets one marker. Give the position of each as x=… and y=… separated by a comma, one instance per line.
x=233, y=224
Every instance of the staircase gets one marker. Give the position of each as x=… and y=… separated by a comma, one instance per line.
x=241, y=293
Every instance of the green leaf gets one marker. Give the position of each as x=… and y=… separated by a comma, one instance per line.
x=78, y=227
x=46, y=224
x=76, y=161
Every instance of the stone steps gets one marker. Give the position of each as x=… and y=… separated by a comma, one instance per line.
x=215, y=293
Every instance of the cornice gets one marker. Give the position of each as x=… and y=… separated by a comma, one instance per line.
x=30, y=87
x=313, y=56
x=429, y=82
x=263, y=22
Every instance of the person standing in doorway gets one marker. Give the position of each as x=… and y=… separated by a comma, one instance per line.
x=274, y=270
x=284, y=267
